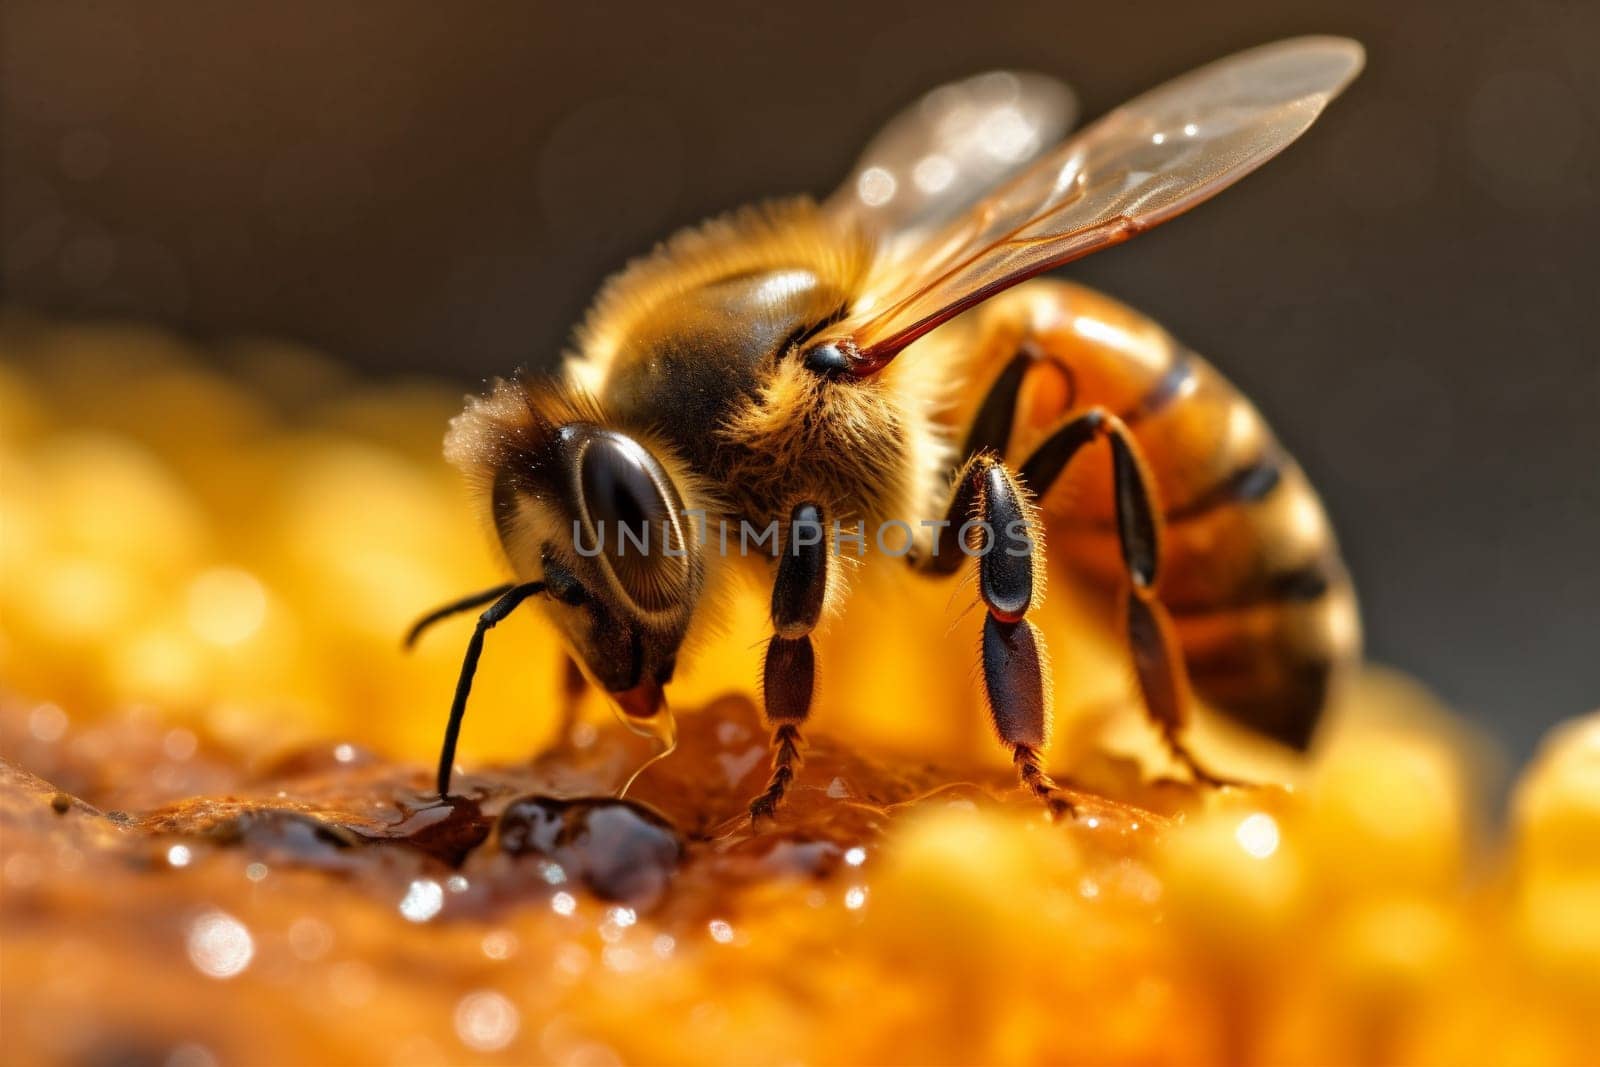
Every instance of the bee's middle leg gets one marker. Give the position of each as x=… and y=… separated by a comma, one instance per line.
x=788, y=675
x=987, y=496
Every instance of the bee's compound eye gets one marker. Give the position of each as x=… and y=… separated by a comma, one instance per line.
x=619, y=488
x=624, y=493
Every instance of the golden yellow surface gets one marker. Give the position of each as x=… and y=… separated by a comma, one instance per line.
x=203, y=578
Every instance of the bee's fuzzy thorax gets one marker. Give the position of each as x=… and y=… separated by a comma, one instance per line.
x=852, y=446
x=788, y=233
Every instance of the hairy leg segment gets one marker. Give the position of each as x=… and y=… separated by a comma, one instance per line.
x=1014, y=668
x=788, y=675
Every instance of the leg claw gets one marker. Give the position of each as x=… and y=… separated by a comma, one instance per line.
x=1060, y=808
x=1205, y=777
x=1197, y=770
x=763, y=807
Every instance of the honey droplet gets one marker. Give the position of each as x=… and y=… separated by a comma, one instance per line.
x=447, y=829
x=621, y=849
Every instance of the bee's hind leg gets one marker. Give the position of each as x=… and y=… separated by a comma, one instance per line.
x=1158, y=664
x=1157, y=658
x=788, y=675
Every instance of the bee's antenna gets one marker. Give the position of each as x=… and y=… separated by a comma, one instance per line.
x=510, y=597
x=455, y=607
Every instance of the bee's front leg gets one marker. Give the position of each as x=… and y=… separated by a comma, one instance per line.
x=988, y=497
x=788, y=676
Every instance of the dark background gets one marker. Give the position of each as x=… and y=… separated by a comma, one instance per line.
x=1409, y=293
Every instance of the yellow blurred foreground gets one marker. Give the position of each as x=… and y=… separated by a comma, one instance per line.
x=218, y=848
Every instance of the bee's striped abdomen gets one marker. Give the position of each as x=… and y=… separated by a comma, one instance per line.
x=1250, y=568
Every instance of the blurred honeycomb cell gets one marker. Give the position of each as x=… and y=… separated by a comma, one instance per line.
x=1557, y=804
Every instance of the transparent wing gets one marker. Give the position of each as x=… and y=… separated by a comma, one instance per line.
x=1136, y=167
x=940, y=155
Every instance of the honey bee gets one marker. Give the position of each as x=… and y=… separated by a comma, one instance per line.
x=787, y=372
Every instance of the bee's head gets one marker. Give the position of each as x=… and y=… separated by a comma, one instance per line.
x=593, y=513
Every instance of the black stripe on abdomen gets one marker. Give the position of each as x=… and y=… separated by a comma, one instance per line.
x=1300, y=586
x=1286, y=708
x=1247, y=485
x=1178, y=380
x=1304, y=584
